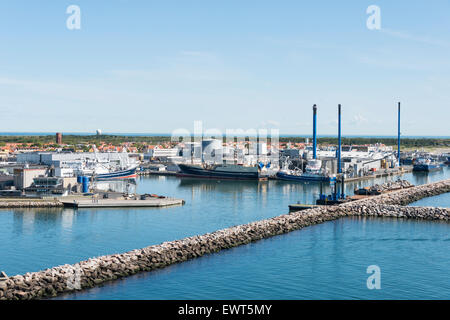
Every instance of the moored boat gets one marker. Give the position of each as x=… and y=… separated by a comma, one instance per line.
x=282, y=175
x=447, y=162
x=219, y=171
x=426, y=165
x=119, y=174
x=313, y=172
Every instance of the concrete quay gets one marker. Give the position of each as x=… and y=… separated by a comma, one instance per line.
x=92, y=272
x=80, y=201
x=123, y=203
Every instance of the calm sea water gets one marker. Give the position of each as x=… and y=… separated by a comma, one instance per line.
x=319, y=262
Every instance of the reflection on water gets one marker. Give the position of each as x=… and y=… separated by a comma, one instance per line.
x=218, y=185
x=28, y=221
x=67, y=217
x=424, y=177
x=25, y=219
x=304, y=191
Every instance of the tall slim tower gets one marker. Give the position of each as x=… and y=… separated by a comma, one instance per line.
x=339, y=150
x=314, y=131
x=58, y=138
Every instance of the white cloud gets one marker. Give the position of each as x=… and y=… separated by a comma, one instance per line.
x=421, y=39
x=303, y=124
x=333, y=123
x=358, y=119
x=269, y=124
x=391, y=63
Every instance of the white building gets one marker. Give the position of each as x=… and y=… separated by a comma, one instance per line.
x=59, y=159
x=161, y=153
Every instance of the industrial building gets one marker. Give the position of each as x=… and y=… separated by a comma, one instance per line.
x=58, y=159
x=23, y=177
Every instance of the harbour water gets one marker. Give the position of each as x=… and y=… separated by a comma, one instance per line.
x=319, y=262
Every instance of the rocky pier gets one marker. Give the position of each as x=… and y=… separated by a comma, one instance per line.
x=95, y=271
x=7, y=204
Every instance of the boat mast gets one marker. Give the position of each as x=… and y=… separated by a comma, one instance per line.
x=314, y=132
x=339, y=140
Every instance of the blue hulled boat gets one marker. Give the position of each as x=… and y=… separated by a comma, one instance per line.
x=426, y=165
x=219, y=171
x=120, y=174
x=448, y=161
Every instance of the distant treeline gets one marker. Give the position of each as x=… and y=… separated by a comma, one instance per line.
x=75, y=140
x=405, y=142
x=83, y=139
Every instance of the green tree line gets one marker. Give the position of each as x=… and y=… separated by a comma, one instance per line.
x=79, y=140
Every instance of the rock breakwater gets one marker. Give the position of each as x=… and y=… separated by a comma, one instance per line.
x=29, y=204
x=406, y=196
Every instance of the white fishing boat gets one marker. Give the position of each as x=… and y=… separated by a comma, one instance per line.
x=100, y=168
x=313, y=172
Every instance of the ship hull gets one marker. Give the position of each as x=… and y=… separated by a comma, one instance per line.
x=290, y=177
x=121, y=174
x=199, y=172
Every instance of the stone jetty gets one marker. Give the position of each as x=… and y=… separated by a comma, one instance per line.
x=386, y=187
x=92, y=272
x=406, y=196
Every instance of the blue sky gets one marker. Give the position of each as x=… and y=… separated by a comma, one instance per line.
x=155, y=66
